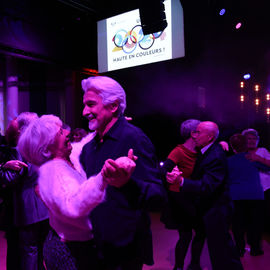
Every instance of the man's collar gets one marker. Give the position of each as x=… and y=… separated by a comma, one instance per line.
x=113, y=132
x=204, y=149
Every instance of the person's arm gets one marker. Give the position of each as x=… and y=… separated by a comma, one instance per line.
x=11, y=172
x=118, y=172
x=14, y=165
x=175, y=179
x=167, y=166
x=265, y=160
x=145, y=189
x=68, y=193
x=62, y=192
x=261, y=167
x=215, y=172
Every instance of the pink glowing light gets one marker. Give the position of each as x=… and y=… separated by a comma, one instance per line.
x=238, y=25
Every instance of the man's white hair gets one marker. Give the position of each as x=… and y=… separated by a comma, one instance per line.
x=108, y=89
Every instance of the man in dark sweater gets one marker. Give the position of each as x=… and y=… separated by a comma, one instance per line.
x=121, y=224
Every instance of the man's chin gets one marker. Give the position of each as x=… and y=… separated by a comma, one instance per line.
x=92, y=126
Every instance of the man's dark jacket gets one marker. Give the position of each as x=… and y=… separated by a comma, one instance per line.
x=121, y=221
x=21, y=205
x=214, y=205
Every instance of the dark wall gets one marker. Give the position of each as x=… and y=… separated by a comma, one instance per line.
x=205, y=84
x=48, y=30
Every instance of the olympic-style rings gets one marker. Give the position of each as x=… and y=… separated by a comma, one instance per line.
x=128, y=40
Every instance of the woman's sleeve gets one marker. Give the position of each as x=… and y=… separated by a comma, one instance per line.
x=63, y=193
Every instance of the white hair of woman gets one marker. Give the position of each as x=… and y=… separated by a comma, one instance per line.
x=33, y=143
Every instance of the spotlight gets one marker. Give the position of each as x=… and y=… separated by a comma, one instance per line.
x=246, y=76
x=257, y=87
x=161, y=163
x=222, y=11
x=242, y=98
x=257, y=101
x=238, y=25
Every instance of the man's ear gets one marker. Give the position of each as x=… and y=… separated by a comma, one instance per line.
x=114, y=106
x=193, y=134
x=211, y=138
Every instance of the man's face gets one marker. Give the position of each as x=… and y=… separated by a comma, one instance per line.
x=251, y=141
x=98, y=114
x=202, y=137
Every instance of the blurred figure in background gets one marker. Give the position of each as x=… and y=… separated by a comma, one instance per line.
x=77, y=134
x=2, y=139
x=261, y=155
x=29, y=214
x=8, y=180
x=78, y=138
x=247, y=194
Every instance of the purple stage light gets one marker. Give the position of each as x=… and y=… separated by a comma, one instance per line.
x=222, y=11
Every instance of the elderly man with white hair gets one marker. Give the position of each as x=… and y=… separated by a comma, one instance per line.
x=67, y=194
x=121, y=223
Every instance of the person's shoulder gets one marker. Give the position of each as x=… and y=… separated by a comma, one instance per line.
x=135, y=137
x=132, y=130
x=216, y=151
x=262, y=150
x=179, y=149
x=217, y=147
x=236, y=157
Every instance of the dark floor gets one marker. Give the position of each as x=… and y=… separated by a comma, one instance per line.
x=164, y=242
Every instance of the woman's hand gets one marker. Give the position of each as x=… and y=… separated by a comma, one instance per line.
x=118, y=172
x=175, y=179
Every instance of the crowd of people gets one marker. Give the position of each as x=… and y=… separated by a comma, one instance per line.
x=81, y=200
